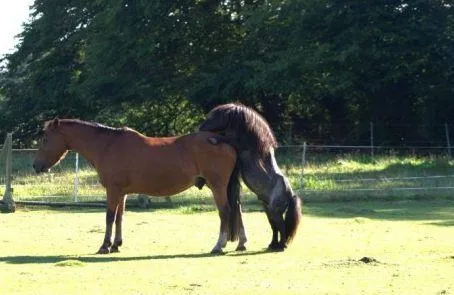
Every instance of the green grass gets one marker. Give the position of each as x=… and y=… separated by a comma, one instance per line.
x=408, y=245
x=409, y=248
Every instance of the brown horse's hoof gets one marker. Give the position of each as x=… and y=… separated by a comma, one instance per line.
x=103, y=250
x=240, y=248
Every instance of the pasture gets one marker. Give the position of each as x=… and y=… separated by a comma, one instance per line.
x=398, y=247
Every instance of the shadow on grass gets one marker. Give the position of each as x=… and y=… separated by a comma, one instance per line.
x=53, y=259
x=184, y=205
x=438, y=212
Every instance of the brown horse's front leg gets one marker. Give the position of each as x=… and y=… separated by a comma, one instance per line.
x=110, y=218
x=118, y=240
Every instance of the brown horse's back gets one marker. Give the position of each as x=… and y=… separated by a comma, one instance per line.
x=164, y=166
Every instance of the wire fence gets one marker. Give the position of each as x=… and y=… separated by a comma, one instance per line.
x=316, y=172
x=330, y=172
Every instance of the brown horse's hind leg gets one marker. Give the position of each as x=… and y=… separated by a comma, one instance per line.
x=242, y=234
x=118, y=240
x=224, y=213
x=112, y=205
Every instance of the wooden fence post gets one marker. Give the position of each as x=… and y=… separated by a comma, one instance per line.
x=448, y=142
x=303, y=163
x=76, y=179
x=371, y=126
x=8, y=202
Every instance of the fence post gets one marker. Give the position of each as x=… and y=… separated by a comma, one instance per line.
x=8, y=202
x=303, y=163
x=76, y=179
x=371, y=126
x=448, y=142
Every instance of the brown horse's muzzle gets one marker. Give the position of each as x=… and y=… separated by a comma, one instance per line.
x=40, y=167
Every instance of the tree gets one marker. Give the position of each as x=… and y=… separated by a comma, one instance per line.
x=310, y=67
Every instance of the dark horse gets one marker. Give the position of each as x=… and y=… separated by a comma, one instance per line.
x=254, y=141
x=129, y=162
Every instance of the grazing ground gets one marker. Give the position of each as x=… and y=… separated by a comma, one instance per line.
x=402, y=247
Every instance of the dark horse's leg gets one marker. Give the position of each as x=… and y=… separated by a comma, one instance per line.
x=277, y=223
x=275, y=209
x=118, y=240
x=275, y=238
x=113, y=197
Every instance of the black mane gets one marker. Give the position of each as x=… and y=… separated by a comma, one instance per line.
x=250, y=129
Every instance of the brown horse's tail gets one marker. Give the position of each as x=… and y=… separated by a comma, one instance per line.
x=292, y=217
x=233, y=194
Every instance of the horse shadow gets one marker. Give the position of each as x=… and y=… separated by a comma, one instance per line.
x=93, y=258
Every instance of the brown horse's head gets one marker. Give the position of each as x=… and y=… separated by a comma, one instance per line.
x=53, y=147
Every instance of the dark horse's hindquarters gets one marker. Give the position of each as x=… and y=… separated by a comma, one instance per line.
x=254, y=141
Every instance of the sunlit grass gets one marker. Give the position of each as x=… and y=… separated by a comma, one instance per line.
x=409, y=247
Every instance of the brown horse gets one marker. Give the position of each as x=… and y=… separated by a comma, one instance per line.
x=129, y=162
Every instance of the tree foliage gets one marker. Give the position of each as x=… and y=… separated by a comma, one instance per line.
x=159, y=65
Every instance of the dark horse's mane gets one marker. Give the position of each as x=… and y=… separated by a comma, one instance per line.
x=251, y=128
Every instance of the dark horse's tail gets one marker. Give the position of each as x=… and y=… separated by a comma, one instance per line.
x=292, y=217
x=233, y=194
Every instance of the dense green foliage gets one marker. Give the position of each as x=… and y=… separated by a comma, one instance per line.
x=310, y=67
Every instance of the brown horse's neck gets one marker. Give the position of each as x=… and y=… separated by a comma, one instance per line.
x=86, y=140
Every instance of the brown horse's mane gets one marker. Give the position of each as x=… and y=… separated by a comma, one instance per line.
x=248, y=125
x=97, y=126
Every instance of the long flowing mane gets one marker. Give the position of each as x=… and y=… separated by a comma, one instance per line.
x=249, y=126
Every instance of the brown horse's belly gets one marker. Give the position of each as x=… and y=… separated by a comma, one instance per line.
x=160, y=186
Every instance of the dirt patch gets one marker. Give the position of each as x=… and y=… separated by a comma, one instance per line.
x=368, y=260
x=70, y=263
x=352, y=262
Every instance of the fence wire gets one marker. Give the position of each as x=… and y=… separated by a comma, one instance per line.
x=316, y=172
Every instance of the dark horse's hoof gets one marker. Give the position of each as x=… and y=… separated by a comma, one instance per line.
x=217, y=252
x=240, y=248
x=276, y=247
x=114, y=249
x=103, y=250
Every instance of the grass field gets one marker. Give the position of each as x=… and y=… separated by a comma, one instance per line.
x=397, y=246
x=404, y=247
